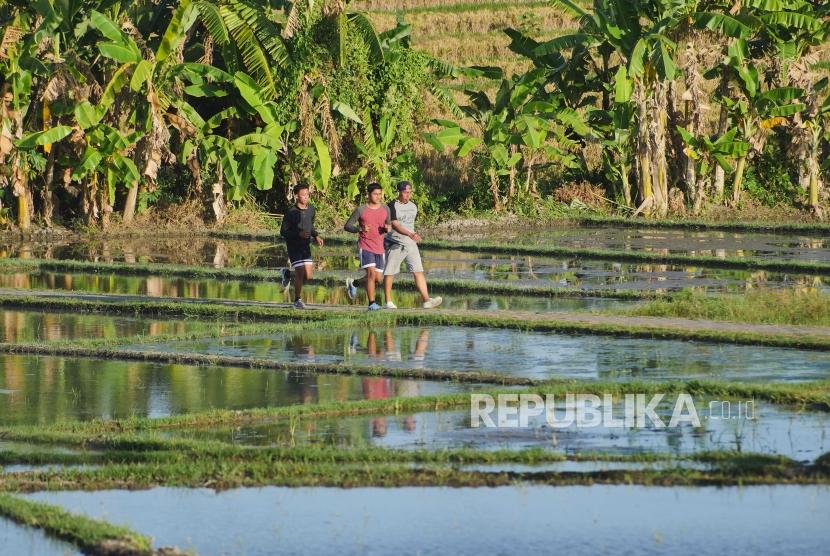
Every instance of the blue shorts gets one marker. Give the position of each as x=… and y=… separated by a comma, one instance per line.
x=372, y=260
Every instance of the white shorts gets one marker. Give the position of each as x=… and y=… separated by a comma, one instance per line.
x=400, y=252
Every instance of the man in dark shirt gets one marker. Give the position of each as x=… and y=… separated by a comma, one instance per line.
x=298, y=230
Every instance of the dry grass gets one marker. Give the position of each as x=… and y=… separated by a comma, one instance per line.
x=545, y=19
x=437, y=5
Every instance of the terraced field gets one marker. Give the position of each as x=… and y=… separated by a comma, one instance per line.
x=167, y=386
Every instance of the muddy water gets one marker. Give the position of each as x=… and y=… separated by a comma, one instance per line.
x=27, y=326
x=518, y=352
x=52, y=389
x=503, y=520
x=755, y=427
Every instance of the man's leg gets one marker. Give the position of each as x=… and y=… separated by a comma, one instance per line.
x=387, y=287
x=370, y=283
x=302, y=274
x=421, y=285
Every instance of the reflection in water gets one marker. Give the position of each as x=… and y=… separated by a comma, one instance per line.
x=27, y=326
x=157, y=286
x=54, y=389
x=519, y=352
x=772, y=429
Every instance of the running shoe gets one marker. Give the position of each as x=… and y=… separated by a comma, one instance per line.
x=433, y=302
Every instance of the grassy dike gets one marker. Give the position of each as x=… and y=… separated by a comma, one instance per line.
x=140, y=453
x=330, y=279
x=644, y=257
x=608, y=325
x=91, y=536
x=784, y=307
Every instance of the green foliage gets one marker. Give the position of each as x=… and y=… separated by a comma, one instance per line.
x=769, y=178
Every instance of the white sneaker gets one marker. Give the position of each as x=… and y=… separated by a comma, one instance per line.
x=351, y=289
x=298, y=304
x=433, y=302
x=390, y=305
x=374, y=307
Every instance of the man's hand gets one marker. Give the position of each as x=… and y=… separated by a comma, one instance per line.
x=415, y=237
x=305, y=235
x=319, y=241
x=365, y=227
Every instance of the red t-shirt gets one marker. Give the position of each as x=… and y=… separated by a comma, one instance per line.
x=376, y=219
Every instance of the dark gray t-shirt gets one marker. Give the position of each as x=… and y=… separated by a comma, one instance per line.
x=405, y=213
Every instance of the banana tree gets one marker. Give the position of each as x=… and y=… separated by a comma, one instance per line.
x=758, y=111
x=20, y=68
x=524, y=124
x=379, y=160
x=707, y=153
x=104, y=166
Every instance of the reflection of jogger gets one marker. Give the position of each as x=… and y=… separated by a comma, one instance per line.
x=402, y=245
x=298, y=230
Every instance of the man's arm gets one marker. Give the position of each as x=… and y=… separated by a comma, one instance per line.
x=289, y=228
x=313, y=223
x=353, y=223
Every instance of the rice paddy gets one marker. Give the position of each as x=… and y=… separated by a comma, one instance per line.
x=155, y=397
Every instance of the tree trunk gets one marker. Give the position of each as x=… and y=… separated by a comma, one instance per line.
x=20, y=189
x=217, y=197
x=494, y=189
x=130, y=204
x=46, y=192
x=511, y=195
x=723, y=123
x=626, y=185
x=739, y=178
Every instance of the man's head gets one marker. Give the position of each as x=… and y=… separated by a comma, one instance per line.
x=301, y=194
x=374, y=192
x=404, y=191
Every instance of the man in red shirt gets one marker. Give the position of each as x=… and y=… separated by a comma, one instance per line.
x=371, y=221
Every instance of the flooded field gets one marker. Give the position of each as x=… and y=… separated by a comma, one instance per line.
x=522, y=353
x=57, y=389
x=579, y=520
x=806, y=247
x=234, y=290
x=230, y=252
x=275, y=413
x=731, y=426
x=27, y=326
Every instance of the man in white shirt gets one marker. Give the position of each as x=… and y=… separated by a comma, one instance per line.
x=401, y=244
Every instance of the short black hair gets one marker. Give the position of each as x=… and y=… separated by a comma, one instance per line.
x=299, y=187
x=372, y=186
x=402, y=185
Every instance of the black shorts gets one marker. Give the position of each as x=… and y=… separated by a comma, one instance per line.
x=299, y=253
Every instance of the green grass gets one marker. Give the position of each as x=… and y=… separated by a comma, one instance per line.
x=593, y=324
x=697, y=224
x=92, y=536
x=755, y=306
x=808, y=395
x=736, y=263
x=329, y=279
